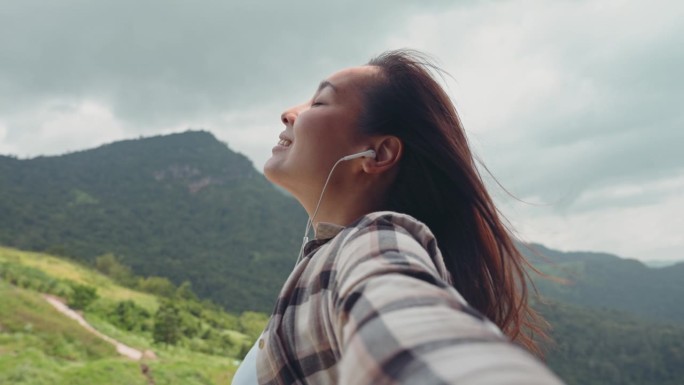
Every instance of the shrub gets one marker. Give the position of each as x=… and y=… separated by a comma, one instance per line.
x=129, y=316
x=82, y=296
x=252, y=323
x=110, y=265
x=157, y=285
x=167, y=324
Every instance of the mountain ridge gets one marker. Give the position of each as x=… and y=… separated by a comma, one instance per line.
x=184, y=204
x=602, y=280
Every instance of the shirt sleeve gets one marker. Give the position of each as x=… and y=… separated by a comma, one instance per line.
x=398, y=322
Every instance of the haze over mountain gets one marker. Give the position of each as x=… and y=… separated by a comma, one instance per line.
x=606, y=281
x=185, y=206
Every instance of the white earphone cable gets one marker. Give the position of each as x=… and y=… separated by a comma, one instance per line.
x=309, y=222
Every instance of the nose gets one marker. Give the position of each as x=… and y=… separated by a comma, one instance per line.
x=288, y=117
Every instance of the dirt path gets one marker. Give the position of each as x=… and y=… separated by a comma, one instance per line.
x=124, y=350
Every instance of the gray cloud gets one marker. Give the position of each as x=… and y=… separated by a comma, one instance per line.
x=155, y=62
x=576, y=104
x=614, y=117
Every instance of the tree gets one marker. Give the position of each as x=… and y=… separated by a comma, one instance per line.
x=252, y=323
x=129, y=316
x=167, y=324
x=110, y=265
x=82, y=296
x=157, y=285
x=184, y=291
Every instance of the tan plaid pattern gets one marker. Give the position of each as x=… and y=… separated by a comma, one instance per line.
x=372, y=304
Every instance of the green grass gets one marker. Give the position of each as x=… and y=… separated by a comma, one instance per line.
x=176, y=366
x=110, y=371
x=26, y=313
x=38, y=345
x=63, y=269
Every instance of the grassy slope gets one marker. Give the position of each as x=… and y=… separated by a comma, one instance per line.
x=61, y=268
x=40, y=346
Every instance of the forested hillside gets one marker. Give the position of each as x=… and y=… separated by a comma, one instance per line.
x=183, y=206
x=597, y=347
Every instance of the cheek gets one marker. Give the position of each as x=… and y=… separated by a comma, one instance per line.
x=311, y=151
x=324, y=138
x=311, y=135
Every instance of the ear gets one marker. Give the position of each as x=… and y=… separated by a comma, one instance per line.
x=388, y=151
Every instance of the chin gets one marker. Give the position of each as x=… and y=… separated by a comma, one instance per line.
x=273, y=172
x=269, y=171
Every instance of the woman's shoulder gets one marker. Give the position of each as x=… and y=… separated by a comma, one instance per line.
x=391, y=221
x=391, y=230
x=387, y=238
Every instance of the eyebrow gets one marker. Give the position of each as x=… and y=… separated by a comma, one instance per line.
x=324, y=84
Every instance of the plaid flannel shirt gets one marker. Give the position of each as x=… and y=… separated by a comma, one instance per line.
x=371, y=303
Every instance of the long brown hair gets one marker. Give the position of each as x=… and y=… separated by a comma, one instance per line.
x=438, y=183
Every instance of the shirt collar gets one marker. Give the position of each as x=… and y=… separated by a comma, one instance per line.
x=326, y=230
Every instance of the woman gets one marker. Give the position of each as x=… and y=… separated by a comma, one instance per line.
x=410, y=260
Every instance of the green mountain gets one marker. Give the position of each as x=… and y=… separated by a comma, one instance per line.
x=605, y=281
x=183, y=206
x=594, y=346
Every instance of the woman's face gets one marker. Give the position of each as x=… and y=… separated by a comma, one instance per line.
x=319, y=132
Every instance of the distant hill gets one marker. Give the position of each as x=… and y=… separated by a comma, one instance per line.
x=605, y=281
x=657, y=263
x=183, y=206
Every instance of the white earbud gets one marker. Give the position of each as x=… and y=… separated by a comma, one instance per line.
x=364, y=154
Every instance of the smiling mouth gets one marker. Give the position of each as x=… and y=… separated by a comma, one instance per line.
x=284, y=142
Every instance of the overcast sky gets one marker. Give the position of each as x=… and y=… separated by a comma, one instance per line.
x=574, y=106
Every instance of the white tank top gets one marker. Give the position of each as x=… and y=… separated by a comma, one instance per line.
x=246, y=373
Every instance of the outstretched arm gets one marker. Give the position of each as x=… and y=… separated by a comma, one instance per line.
x=398, y=322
